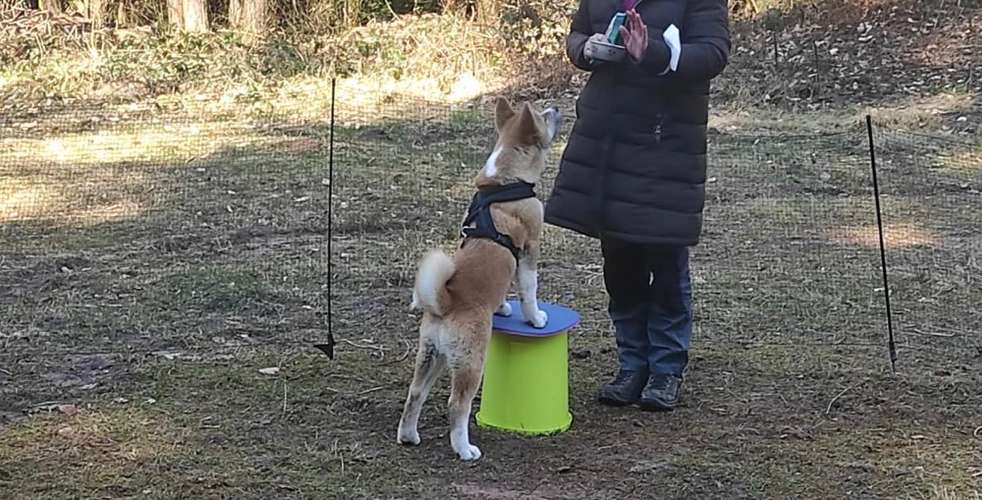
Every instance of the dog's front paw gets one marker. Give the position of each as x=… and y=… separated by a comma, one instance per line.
x=539, y=319
x=408, y=438
x=469, y=452
x=504, y=310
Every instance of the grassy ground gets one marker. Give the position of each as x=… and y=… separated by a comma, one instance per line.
x=157, y=252
x=758, y=422
x=134, y=335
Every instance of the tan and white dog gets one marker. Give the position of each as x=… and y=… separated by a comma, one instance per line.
x=460, y=294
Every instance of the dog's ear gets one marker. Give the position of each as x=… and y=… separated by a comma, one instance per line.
x=502, y=112
x=530, y=128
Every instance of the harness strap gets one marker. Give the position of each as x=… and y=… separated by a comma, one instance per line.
x=480, y=224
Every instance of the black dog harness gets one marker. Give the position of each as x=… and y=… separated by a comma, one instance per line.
x=480, y=224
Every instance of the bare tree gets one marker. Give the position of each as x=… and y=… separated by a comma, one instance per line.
x=249, y=15
x=195, y=16
x=124, y=14
x=175, y=13
x=53, y=6
x=97, y=13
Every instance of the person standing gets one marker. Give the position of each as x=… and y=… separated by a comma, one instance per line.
x=633, y=176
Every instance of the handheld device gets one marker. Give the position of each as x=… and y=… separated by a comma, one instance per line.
x=614, y=28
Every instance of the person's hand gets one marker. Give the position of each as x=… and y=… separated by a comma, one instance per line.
x=635, y=35
x=590, y=49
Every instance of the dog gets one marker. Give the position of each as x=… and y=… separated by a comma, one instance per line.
x=459, y=295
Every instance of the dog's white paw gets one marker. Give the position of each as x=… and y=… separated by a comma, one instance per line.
x=409, y=438
x=469, y=452
x=504, y=310
x=539, y=319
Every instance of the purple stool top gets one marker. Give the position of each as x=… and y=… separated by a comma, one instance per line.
x=560, y=320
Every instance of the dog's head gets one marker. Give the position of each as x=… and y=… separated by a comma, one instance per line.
x=524, y=138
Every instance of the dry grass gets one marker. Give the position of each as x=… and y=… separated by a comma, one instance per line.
x=227, y=276
x=221, y=428
x=160, y=249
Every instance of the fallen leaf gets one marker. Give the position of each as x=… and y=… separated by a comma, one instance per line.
x=70, y=410
x=167, y=355
x=648, y=466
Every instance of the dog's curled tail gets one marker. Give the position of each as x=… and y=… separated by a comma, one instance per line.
x=430, y=292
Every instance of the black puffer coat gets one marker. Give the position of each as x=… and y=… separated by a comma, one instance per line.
x=635, y=165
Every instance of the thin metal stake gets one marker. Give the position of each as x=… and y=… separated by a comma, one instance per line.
x=883, y=252
x=328, y=348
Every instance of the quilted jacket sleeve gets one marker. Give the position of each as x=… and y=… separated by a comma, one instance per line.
x=579, y=32
x=705, y=40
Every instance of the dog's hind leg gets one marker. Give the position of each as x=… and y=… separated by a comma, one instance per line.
x=429, y=365
x=465, y=380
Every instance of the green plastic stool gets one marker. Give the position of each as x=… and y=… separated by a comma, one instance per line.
x=526, y=376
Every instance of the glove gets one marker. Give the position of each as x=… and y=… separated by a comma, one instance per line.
x=672, y=39
x=592, y=46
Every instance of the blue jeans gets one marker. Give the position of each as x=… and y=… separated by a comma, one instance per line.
x=650, y=305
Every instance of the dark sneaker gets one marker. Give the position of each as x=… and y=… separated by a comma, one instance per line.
x=662, y=393
x=625, y=389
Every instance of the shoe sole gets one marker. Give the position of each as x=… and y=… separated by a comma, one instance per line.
x=617, y=403
x=654, y=405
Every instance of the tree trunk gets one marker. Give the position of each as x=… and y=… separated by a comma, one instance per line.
x=488, y=11
x=53, y=6
x=97, y=13
x=352, y=12
x=123, y=17
x=249, y=15
x=175, y=13
x=195, y=16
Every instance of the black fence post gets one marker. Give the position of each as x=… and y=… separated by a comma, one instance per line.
x=328, y=348
x=883, y=253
